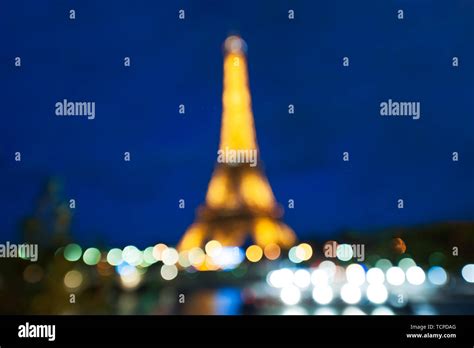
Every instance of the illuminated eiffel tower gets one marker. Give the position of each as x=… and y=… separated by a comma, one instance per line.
x=239, y=201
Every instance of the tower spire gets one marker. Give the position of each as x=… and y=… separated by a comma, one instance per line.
x=238, y=130
x=239, y=199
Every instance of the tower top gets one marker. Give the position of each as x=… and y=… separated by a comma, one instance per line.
x=238, y=129
x=235, y=44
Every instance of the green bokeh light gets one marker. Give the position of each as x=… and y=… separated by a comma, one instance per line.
x=114, y=257
x=148, y=256
x=91, y=256
x=72, y=252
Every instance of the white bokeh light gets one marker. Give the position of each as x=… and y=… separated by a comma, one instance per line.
x=353, y=311
x=290, y=295
x=302, y=278
x=281, y=278
x=382, y=310
x=328, y=267
x=468, y=273
x=377, y=293
x=350, y=293
x=322, y=294
x=437, y=275
x=395, y=276
x=169, y=272
x=132, y=255
x=319, y=277
x=355, y=274
x=375, y=276
x=415, y=275
x=325, y=311
x=170, y=256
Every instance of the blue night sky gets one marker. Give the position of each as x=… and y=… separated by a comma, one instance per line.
x=291, y=62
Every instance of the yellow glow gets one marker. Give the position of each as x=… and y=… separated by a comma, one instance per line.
x=256, y=191
x=207, y=265
x=220, y=193
x=238, y=131
x=286, y=236
x=266, y=231
x=269, y=231
x=210, y=265
x=254, y=253
x=194, y=236
x=230, y=235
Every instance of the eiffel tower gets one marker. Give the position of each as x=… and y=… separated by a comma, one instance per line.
x=239, y=202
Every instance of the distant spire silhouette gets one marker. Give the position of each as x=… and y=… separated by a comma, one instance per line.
x=50, y=223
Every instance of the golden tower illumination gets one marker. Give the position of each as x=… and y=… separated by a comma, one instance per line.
x=239, y=200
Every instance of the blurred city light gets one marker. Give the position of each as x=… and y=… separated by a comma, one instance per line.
x=322, y=294
x=272, y=251
x=91, y=256
x=280, y=278
x=468, y=273
x=114, y=257
x=73, y=279
x=130, y=278
x=213, y=248
x=148, y=256
x=254, y=253
x=353, y=311
x=319, y=278
x=72, y=252
x=406, y=263
x=170, y=256
x=355, y=274
x=229, y=258
x=196, y=256
x=290, y=295
x=304, y=252
x=169, y=272
x=329, y=268
x=158, y=250
x=293, y=256
x=302, y=278
x=132, y=255
x=437, y=275
x=415, y=275
x=325, y=311
x=383, y=264
x=395, y=276
x=377, y=293
x=375, y=276
x=350, y=293
x=382, y=310
x=183, y=259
